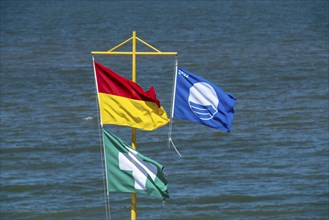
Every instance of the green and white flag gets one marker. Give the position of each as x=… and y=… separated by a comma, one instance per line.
x=129, y=171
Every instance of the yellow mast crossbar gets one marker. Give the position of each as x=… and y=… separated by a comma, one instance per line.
x=147, y=44
x=134, y=53
x=119, y=45
x=133, y=38
x=131, y=53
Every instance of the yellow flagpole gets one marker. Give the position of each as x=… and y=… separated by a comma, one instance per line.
x=134, y=53
x=133, y=212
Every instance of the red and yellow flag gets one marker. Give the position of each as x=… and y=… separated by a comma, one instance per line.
x=123, y=102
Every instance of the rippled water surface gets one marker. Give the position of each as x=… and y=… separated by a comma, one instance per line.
x=271, y=55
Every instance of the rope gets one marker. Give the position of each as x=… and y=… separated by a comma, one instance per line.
x=102, y=152
x=170, y=141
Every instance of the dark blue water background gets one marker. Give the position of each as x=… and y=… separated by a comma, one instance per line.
x=271, y=55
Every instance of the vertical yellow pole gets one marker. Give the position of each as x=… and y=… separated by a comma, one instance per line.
x=134, y=53
x=134, y=57
x=133, y=130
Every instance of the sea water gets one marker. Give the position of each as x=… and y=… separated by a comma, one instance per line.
x=272, y=56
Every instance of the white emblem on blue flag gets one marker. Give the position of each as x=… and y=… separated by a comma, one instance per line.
x=203, y=100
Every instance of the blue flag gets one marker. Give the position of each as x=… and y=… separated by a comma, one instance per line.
x=198, y=100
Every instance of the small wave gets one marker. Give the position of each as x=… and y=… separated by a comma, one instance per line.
x=88, y=118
